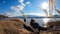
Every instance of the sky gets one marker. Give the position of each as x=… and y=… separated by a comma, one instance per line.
x=29, y=7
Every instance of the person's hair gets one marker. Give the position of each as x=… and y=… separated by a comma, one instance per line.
x=32, y=21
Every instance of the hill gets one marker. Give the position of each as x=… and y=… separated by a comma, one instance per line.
x=2, y=16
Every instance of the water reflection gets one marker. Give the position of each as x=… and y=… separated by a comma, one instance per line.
x=42, y=21
x=45, y=20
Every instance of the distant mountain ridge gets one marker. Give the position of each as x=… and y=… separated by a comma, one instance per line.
x=34, y=16
x=31, y=16
x=57, y=16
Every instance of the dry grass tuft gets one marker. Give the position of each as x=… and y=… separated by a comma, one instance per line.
x=12, y=26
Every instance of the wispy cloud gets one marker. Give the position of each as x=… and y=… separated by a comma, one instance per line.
x=21, y=1
x=17, y=8
x=21, y=6
x=28, y=2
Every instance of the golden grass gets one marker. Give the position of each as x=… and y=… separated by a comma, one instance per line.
x=12, y=26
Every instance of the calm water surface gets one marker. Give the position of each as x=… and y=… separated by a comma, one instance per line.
x=41, y=21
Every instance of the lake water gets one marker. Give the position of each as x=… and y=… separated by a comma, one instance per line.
x=41, y=21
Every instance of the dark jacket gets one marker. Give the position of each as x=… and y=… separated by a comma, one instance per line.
x=28, y=28
x=37, y=26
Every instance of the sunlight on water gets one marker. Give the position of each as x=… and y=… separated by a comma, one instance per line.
x=46, y=20
x=41, y=21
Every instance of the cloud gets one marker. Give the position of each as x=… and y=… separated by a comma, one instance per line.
x=20, y=7
x=21, y=1
x=28, y=2
x=23, y=4
x=17, y=8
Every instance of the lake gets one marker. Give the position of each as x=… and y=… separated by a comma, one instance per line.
x=41, y=21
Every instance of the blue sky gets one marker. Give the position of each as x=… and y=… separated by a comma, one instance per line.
x=29, y=7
